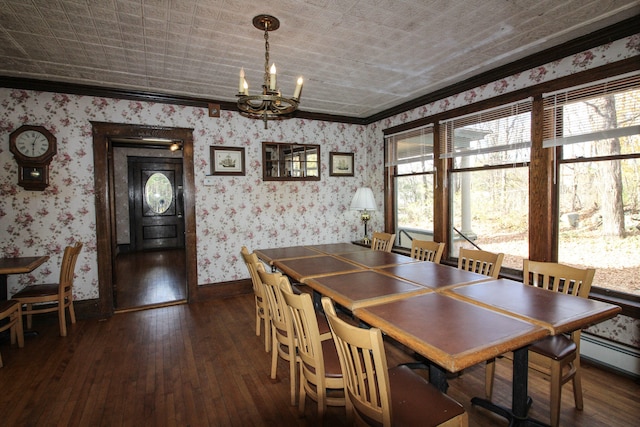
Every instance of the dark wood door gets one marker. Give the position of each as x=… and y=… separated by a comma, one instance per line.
x=155, y=203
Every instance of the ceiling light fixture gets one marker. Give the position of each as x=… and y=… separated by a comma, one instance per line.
x=270, y=105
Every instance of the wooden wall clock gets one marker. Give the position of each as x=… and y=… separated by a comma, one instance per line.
x=33, y=147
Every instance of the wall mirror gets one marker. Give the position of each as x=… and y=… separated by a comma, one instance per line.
x=283, y=161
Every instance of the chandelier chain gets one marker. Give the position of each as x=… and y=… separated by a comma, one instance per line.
x=266, y=54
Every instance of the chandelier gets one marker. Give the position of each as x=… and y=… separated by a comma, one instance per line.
x=270, y=105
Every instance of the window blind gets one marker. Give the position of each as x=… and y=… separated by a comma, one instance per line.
x=501, y=129
x=412, y=146
x=592, y=112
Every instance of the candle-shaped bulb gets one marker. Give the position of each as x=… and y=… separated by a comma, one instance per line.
x=272, y=77
x=245, y=87
x=296, y=93
x=241, y=83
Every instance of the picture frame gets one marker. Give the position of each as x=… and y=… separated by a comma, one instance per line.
x=340, y=164
x=227, y=161
x=214, y=110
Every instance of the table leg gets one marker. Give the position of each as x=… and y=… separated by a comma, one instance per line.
x=317, y=301
x=521, y=402
x=438, y=377
x=3, y=287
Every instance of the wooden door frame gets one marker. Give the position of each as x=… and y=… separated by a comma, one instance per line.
x=103, y=134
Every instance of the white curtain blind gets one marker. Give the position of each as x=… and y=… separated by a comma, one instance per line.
x=501, y=129
x=592, y=112
x=415, y=145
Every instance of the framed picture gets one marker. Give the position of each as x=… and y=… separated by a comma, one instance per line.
x=340, y=164
x=227, y=161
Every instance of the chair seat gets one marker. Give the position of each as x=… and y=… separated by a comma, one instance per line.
x=323, y=324
x=556, y=347
x=332, y=367
x=416, y=402
x=35, y=291
x=7, y=307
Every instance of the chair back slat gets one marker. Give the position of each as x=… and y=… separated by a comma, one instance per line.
x=558, y=277
x=253, y=265
x=426, y=250
x=272, y=283
x=481, y=262
x=67, y=268
x=382, y=241
x=305, y=326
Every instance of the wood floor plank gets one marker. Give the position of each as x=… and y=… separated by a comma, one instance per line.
x=203, y=365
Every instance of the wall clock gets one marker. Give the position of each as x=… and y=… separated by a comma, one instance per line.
x=33, y=147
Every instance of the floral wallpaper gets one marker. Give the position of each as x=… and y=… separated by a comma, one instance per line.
x=234, y=211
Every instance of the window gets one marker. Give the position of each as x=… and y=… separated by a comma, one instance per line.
x=410, y=154
x=489, y=180
x=597, y=130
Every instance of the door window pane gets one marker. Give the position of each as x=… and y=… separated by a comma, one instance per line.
x=158, y=192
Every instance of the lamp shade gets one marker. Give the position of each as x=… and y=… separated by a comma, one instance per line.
x=363, y=200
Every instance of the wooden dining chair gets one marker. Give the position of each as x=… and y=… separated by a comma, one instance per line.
x=377, y=395
x=382, y=241
x=11, y=320
x=481, y=262
x=283, y=342
x=426, y=250
x=557, y=356
x=319, y=364
x=52, y=297
x=262, y=306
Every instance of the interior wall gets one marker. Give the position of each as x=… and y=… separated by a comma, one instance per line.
x=233, y=211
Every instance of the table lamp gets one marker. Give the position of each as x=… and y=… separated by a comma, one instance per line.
x=363, y=201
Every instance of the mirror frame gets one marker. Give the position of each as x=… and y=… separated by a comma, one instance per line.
x=267, y=162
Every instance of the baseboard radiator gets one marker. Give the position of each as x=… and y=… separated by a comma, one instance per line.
x=618, y=357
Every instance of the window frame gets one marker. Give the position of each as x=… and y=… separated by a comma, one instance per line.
x=543, y=198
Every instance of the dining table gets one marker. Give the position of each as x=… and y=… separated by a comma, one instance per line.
x=17, y=265
x=363, y=288
x=461, y=335
x=305, y=268
x=376, y=259
x=338, y=248
x=453, y=318
x=268, y=255
x=438, y=277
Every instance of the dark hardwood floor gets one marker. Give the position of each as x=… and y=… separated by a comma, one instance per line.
x=150, y=278
x=202, y=365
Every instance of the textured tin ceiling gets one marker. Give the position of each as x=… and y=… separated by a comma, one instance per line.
x=358, y=57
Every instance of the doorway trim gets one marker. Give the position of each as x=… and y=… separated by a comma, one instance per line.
x=103, y=134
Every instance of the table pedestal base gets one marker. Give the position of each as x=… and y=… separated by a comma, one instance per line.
x=520, y=401
x=507, y=413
